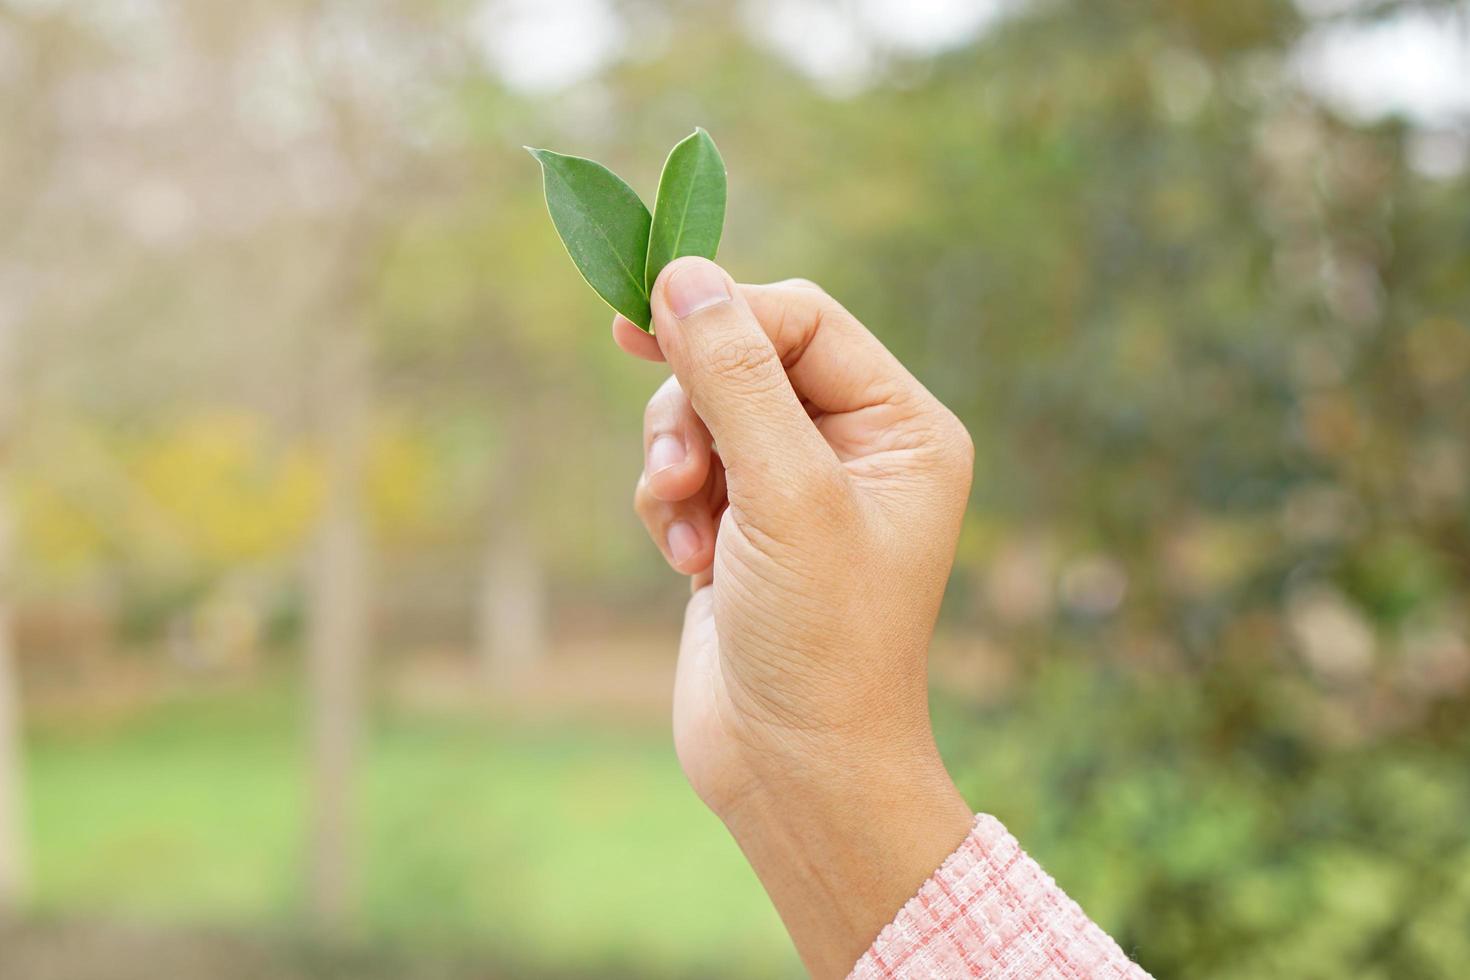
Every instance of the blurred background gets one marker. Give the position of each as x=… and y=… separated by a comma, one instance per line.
x=329, y=643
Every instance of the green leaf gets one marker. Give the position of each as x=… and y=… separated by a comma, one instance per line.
x=689, y=212
x=604, y=226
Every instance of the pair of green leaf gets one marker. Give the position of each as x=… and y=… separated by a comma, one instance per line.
x=617, y=245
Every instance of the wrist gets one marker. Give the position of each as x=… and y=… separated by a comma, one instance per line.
x=841, y=844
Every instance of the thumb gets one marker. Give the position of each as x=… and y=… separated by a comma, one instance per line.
x=735, y=380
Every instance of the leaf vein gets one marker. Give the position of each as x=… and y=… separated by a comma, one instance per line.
x=684, y=214
x=592, y=223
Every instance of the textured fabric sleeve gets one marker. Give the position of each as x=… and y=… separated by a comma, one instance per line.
x=990, y=911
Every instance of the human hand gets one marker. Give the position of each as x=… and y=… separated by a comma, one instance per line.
x=818, y=538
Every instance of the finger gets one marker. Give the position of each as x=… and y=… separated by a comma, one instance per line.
x=683, y=530
x=866, y=403
x=769, y=302
x=834, y=362
x=639, y=343
x=734, y=378
x=792, y=322
x=676, y=445
x=718, y=505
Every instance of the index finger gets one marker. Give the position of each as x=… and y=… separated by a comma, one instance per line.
x=833, y=361
x=632, y=340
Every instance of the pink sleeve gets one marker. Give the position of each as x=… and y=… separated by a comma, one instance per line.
x=990, y=911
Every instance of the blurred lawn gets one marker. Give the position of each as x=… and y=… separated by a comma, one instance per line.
x=568, y=849
x=1222, y=846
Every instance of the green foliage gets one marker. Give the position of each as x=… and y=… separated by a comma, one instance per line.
x=1210, y=829
x=689, y=213
x=604, y=226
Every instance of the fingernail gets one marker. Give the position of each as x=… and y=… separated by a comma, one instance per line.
x=683, y=541
x=665, y=452
x=695, y=286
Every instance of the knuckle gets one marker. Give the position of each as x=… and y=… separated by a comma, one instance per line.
x=956, y=445
x=643, y=501
x=964, y=443
x=743, y=362
x=665, y=401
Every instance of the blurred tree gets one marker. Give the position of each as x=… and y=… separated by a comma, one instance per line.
x=354, y=100
x=513, y=606
x=338, y=609
x=26, y=169
x=13, y=860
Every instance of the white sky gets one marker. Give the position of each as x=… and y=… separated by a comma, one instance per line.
x=1417, y=63
x=540, y=45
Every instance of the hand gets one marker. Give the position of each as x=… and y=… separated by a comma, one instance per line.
x=818, y=537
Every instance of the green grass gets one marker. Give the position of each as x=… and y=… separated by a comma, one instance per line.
x=1204, y=826
x=571, y=849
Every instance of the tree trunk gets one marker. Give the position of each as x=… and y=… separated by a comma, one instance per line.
x=512, y=608
x=13, y=863
x=338, y=634
x=512, y=604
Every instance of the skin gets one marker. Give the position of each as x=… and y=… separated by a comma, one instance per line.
x=817, y=539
